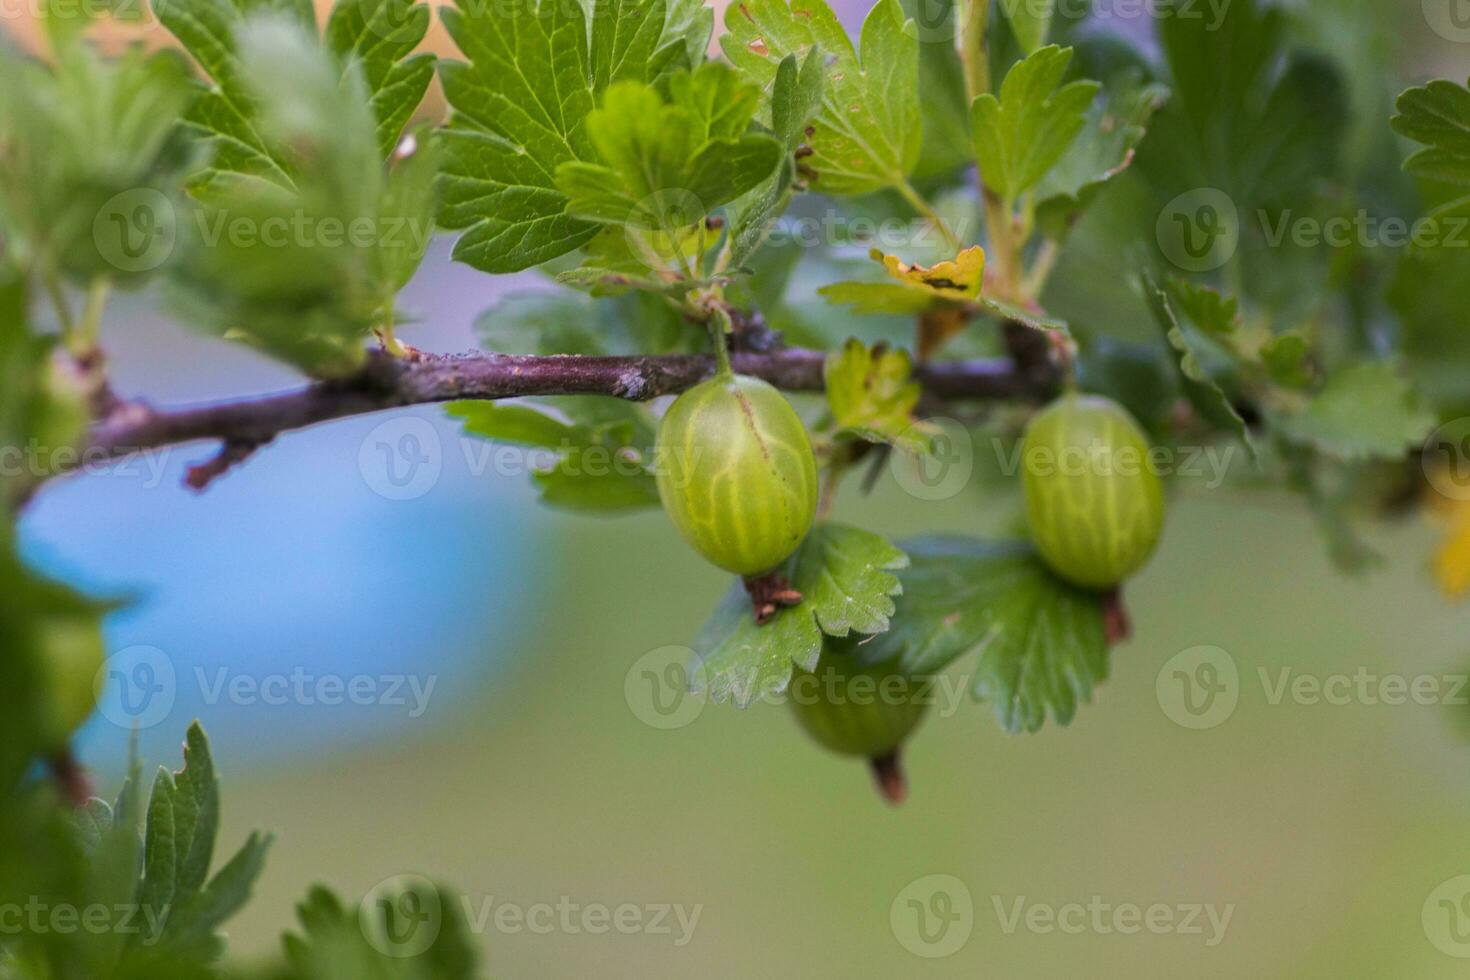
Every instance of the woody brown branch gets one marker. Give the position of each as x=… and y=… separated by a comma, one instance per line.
x=387, y=382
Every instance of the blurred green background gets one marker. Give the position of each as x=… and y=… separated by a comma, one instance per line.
x=1326, y=827
x=533, y=778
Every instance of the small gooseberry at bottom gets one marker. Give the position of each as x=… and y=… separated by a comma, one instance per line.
x=859, y=710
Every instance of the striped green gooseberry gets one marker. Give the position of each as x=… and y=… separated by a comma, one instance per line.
x=867, y=711
x=736, y=473
x=1094, y=500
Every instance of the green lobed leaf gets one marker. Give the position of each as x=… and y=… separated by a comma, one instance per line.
x=1238, y=120
x=1002, y=310
x=1366, y=410
x=1253, y=134
x=1428, y=296
x=868, y=133
x=183, y=819
x=95, y=154
x=310, y=294
x=44, y=626
x=93, y=859
x=194, y=923
x=1202, y=390
x=1286, y=358
x=845, y=576
x=1438, y=115
x=666, y=165
x=377, y=36
x=1103, y=150
x=406, y=210
x=945, y=105
x=178, y=844
x=1022, y=134
x=796, y=98
x=520, y=106
x=1030, y=21
x=380, y=35
x=341, y=942
x=1207, y=308
x=1041, y=643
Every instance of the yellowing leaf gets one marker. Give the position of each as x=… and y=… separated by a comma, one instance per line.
x=918, y=288
x=960, y=278
x=872, y=395
x=1452, y=561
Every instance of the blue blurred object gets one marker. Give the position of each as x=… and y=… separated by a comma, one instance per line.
x=380, y=551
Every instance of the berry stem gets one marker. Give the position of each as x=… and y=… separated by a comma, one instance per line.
x=719, y=332
x=893, y=786
x=926, y=211
x=769, y=594
x=1116, y=623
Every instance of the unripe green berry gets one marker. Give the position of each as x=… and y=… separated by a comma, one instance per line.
x=857, y=710
x=736, y=473
x=70, y=653
x=1093, y=499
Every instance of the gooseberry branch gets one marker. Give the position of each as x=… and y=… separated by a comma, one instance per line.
x=388, y=382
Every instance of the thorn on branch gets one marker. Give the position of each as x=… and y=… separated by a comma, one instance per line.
x=231, y=454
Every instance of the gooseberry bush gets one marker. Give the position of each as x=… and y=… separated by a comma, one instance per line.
x=1088, y=246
